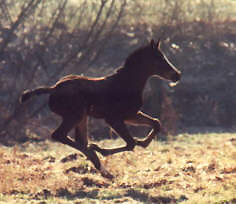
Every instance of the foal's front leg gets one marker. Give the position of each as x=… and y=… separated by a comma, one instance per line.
x=145, y=120
x=120, y=128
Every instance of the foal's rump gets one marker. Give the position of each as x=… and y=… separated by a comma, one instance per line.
x=67, y=104
x=70, y=96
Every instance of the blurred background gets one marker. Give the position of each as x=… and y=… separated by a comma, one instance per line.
x=41, y=41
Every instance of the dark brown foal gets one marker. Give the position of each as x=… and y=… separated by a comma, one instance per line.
x=116, y=98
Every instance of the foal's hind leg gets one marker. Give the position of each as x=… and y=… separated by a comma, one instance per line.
x=81, y=135
x=60, y=134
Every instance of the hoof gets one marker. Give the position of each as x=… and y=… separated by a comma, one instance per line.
x=95, y=147
x=106, y=174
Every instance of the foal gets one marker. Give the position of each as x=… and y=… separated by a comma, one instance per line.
x=116, y=98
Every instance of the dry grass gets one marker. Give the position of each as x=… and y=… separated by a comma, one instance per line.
x=191, y=169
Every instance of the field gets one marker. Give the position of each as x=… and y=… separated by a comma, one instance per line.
x=188, y=169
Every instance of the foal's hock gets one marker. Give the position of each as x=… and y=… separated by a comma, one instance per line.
x=115, y=98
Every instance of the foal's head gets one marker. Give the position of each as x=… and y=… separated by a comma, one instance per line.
x=159, y=65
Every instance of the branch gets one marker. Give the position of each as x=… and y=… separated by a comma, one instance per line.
x=23, y=14
x=101, y=48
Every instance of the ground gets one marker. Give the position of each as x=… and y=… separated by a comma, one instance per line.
x=186, y=169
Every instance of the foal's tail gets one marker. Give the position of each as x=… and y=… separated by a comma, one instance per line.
x=29, y=93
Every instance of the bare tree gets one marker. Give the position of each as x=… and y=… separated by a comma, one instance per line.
x=48, y=45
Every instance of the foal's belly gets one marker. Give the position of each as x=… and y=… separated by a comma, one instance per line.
x=120, y=108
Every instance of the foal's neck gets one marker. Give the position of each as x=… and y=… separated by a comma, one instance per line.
x=134, y=75
x=132, y=78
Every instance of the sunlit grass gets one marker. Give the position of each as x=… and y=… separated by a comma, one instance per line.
x=188, y=169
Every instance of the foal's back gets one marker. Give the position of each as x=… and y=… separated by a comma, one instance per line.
x=74, y=84
x=73, y=93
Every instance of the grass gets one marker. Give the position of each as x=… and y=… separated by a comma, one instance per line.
x=189, y=169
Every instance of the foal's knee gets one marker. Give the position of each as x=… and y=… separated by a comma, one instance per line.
x=56, y=136
x=130, y=146
x=156, y=125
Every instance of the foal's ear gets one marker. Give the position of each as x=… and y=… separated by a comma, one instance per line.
x=152, y=44
x=158, y=43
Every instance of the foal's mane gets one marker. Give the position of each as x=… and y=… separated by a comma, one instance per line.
x=134, y=56
x=132, y=61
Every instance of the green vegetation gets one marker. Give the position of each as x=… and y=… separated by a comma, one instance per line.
x=189, y=169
